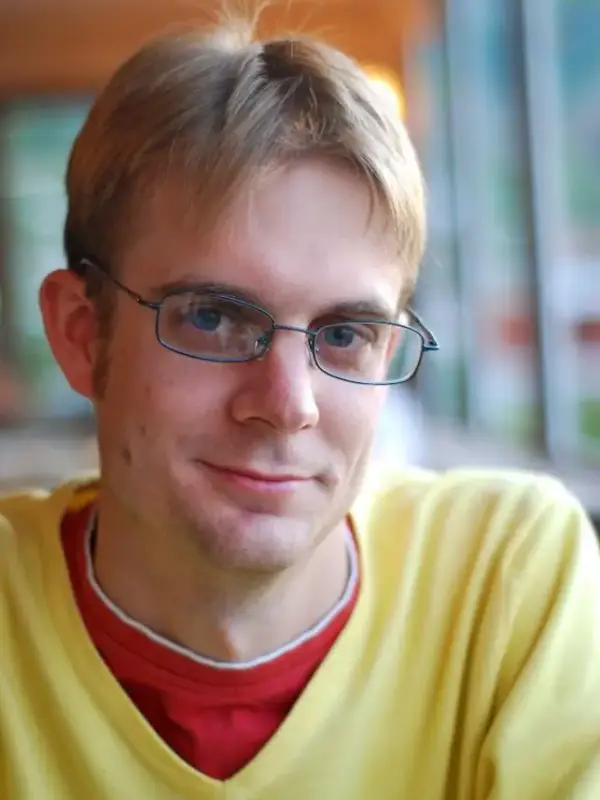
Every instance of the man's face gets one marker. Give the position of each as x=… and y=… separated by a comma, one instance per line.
x=184, y=442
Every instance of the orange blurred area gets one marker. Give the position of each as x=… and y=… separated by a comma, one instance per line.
x=73, y=45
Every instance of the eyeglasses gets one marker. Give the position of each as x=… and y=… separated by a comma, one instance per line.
x=224, y=329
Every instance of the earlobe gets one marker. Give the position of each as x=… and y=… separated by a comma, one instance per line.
x=70, y=326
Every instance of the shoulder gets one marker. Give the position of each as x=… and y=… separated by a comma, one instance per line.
x=24, y=515
x=508, y=498
x=466, y=492
x=477, y=515
x=492, y=553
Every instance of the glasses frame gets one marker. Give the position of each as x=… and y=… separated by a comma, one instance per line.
x=428, y=341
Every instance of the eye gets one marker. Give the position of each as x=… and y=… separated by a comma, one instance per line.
x=204, y=318
x=208, y=315
x=349, y=335
x=339, y=336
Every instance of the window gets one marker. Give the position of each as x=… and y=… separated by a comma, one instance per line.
x=34, y=145
x=511, y=284
x=577, y=161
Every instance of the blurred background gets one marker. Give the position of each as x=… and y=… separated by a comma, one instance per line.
x=502, y=98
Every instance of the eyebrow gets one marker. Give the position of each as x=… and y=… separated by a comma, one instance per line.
x=372, y=308
x=210, y=287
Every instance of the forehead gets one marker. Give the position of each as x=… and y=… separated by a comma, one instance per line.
x=306, y=235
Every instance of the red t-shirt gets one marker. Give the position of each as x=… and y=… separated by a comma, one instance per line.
x=215, y=718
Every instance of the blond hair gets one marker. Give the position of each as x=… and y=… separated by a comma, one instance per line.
x=219, y=107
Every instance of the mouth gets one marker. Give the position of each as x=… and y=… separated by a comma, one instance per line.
x=257, y=482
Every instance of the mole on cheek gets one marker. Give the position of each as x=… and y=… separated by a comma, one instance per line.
x=126, y=455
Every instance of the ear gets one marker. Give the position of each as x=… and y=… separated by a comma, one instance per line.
x=70, y=324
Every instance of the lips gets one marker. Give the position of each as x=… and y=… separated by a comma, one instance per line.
x=262, y=477
x=257, y=490
x=258, y=476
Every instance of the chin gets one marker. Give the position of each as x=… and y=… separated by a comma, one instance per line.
x=238, y=527
x=234, y=539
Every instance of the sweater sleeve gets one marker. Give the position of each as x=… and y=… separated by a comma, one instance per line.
x=542, y=739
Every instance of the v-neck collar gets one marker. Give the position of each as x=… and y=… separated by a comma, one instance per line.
x=312, y=633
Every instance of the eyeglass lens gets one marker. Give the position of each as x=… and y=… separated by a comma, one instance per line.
x=223, y=329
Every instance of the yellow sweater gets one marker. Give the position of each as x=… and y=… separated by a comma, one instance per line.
x=469, y=670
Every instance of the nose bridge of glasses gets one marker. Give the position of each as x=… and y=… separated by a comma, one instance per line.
x=275, y=326
x=294, y=328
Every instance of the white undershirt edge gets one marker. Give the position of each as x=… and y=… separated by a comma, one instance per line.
x=309, y=634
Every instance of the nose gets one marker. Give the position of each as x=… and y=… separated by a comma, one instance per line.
x=278, y=390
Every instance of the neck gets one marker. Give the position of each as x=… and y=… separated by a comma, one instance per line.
x=224, y=616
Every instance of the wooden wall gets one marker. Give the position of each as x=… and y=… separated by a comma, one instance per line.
x=73, y=45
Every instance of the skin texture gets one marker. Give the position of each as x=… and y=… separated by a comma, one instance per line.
x=229, y=566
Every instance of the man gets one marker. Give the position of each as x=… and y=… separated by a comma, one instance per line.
x=234, y=608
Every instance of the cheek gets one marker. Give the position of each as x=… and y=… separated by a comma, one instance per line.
x=175, y=397
x=350, y=421
x=148, y=420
